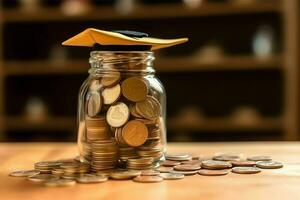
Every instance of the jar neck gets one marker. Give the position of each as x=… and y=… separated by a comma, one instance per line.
x=139, y=62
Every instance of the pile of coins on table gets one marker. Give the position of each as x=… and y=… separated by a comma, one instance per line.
x=177, y=166
x=123, y=124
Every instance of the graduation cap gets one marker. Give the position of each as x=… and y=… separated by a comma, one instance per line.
x=122, y=40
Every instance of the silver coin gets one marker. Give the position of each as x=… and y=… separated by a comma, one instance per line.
x=91, y=178
x=59, y=183
x=246, y=170
x=215, y=164
x=178, y=157
x=269, y=164
x=24, y=173
x=94, y=104
x=259, y=158
x=171, y=176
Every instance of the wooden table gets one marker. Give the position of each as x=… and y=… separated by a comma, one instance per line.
x=270, y=184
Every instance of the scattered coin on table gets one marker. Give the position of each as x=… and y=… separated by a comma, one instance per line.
x=178, y=157
x=187, y=167
x=124, y=174
x=226, y=157
x=171, y=176
x=24, y=173
x=91, y=178
x=208, y=172
x=150, y=172
x=164, y=169
x=187, y=173
x=170, y=163
x=269, y=164
x=215, y=164
x=42, y=177
x=148, y=179
x=259, y=158
x=243, y=163
x=246, y=170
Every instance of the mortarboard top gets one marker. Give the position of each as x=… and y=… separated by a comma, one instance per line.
x=91, y=37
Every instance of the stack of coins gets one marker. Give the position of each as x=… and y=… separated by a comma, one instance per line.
x=72, y=170
x=123, y=123
x=140, y=163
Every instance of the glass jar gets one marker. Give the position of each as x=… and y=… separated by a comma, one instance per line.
x=121, y=112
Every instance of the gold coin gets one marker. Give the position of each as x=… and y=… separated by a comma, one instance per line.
x=111, y=79
x=134, y=89
x=149, y=108
x=111, y=95
x=94, y=104
x=134, y=133
x=165, y=169
x=117, y=115
x=170, y=163
x=148, y=179
x=150, y=172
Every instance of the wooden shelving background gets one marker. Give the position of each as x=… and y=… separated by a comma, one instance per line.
x=285, y=61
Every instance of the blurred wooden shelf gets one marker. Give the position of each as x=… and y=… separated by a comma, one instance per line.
x=226, y=124
x=170, y=64
x=142, y=12
x=239, y=62
x=13, y=123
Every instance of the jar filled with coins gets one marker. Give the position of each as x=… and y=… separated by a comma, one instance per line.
x=122, y=104
x=122, y=111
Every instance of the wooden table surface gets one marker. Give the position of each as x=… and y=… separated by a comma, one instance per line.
x=270, y=184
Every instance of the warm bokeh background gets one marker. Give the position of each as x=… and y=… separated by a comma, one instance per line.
x=237, y=78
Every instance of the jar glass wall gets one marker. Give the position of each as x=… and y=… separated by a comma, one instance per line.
x=121, y=112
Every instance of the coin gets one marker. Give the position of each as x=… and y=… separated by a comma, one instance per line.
x=24, y=173
x=170, y=163
x=111, y=95
x=187, y=167
x=259, y=158
x=134, y=89
x=246, y=170
x=178, y=157
x=124, y=174
x=59, y=183
x=269, y=164
x=148, y=179
x=91, y=178
x=134, y=133
x=207, y=172
x=42, y=177
x=94, y=104
x=187, y=173
x=243, y=163
x=46, y=165
x=117, y=115
x=164, y=169
x=150, y=172
x=171, y=176
x=215, y=164
x=111, y=79
x=226, y=157
x=192, y=162
x=150, y=108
